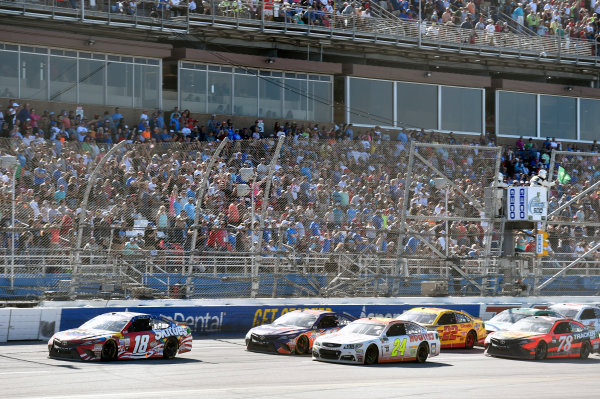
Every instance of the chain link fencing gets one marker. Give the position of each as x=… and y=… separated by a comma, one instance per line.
x=289, y=217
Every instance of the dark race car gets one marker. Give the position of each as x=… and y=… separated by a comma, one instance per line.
x=295, y=331
x=541, y=337
x=122, y=335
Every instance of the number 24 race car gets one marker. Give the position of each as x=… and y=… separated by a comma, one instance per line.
x=122, y=335
x=377, y=340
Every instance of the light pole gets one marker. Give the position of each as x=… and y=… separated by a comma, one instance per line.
x=420, y=22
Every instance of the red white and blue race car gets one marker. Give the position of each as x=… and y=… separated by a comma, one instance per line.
x=122, y=335
x=295, y=331
x=541, y=337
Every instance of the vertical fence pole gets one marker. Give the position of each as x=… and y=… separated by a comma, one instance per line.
x=83, y=206
x=263, y=211
x=198, y=207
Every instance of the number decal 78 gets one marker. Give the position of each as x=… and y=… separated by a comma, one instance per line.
x=565, y=343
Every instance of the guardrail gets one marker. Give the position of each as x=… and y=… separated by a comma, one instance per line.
x=295, y=20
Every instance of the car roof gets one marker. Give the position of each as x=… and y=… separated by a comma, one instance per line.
x=312, y=311
x=573, y=305
x=431, y=310
x=384, y=320
x=550, y=318
x=126, y=315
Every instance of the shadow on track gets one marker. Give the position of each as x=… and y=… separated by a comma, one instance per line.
x=68, y=366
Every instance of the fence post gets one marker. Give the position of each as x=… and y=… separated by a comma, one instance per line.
x=256, y=257
x=198, y=207
x=83, y=206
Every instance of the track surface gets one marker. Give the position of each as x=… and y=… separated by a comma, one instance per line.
x=222, y=368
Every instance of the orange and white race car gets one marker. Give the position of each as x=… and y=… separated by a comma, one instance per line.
x=456, y=329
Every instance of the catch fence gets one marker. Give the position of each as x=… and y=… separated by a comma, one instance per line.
x=285, y=217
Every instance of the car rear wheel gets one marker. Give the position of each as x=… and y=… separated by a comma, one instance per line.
x=586, y=349
x=171, y=348
x=422, y=353
x=371, y=355
x=470, y=340
x=541, y=351
x=109, y=351
x=302, y=345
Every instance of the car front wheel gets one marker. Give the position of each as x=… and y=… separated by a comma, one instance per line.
x=541, y=351
x=372, y=355
x=302, y=345
x=109, y=351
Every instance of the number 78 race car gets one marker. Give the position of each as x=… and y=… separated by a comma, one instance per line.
x=541, y=337
x=377, y=340
x=122, y=335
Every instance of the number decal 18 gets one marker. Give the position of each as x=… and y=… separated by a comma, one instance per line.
x=141, y=343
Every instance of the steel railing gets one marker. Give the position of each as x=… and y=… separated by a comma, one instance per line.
x=381, y=29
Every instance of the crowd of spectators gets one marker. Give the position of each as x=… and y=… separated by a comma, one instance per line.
x=335, y=188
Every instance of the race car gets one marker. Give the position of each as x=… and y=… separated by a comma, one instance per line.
x=295, y=332
x=540, y=337
x=456, y=329
x=588, y=315
x=508, y=317
x=377, y=340
x=122, y=335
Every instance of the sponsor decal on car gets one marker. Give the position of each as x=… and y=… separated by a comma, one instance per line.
x=171, y=332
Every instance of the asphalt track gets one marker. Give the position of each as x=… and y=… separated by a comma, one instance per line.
x=222, y=368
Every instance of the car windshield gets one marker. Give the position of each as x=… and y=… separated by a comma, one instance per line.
x=107, y=323
x=569, y=313
x=509, y=316
x=531, y=324
x=297, y=319
x=374, y=329
x=418, y=317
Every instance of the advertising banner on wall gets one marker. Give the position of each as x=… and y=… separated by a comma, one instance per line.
x=211, y=320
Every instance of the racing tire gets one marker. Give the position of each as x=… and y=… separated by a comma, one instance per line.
x=541, y=351
x=302, y=345
x=586, y=349
x=371, y=355
x=171, y=348
x=109, y=351
x=470, y=340
x=422, y=353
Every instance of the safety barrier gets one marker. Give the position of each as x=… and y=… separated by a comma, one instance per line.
x=212, y=318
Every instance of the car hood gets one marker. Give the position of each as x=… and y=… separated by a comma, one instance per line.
x=507, y=335
x=497, y=326
x=77, y=334
x=345, y=338
x=269, y=329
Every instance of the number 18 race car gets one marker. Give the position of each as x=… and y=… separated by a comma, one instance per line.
x=122, y=335
x=377, y=340
x=541, y=337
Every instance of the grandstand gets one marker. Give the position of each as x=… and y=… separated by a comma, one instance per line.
x=267, y=150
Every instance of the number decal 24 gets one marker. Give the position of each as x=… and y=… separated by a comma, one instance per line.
x=450, y=333
x=141, y=343
x=399, y=347
x=565, y=343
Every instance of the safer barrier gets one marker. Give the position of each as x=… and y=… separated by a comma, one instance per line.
x=212, y=318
